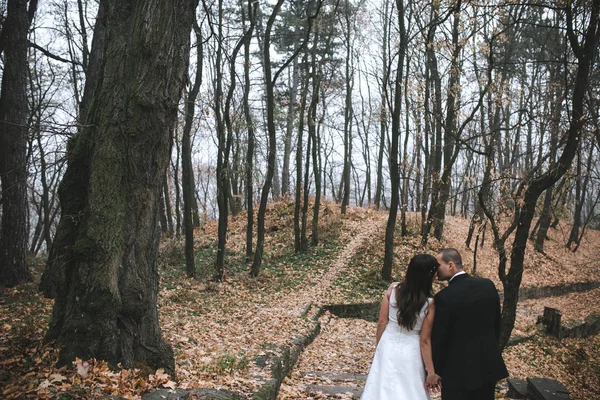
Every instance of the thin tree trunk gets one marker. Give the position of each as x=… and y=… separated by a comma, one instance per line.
x=270, y=105
x=298, y=237
x=291, y=115
x=250, y=149
x=388, y=261
x=348, y=112
x=223, y=140
x=312, y=131
x=187, y=171
x=383, y=113
x=167, y=205
x=270, y=80
x=441, y=187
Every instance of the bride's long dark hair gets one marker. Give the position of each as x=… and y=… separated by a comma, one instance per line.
x=413, y=292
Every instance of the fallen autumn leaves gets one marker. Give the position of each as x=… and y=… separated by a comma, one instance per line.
x=219, y=330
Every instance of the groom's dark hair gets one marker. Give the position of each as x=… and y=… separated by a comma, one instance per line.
x=453, y=255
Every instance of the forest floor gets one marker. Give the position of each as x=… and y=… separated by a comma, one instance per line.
x=219, y=330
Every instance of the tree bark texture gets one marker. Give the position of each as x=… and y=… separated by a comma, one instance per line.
x=13, y=145
x=106, y=245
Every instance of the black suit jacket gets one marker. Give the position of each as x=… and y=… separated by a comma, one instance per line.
x=466, y=331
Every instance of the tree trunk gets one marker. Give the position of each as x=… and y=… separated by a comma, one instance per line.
x=441, y=187
x=585, y=53
x=433, y=124
x=13, y=145
x=187, y=171
x=94, y=65
x=298, y=247
x=163, y=224
x=305, y=191
x=383, y=113
x=291, y=116
x=316, y=140
x=223, y=140
x=349, y=83
x=270, y=81
x=176, y=186
x=269, y=89
x=405, y=174
x=573, y=235
x=106, y=245
x=388, y=261
x=250, y=149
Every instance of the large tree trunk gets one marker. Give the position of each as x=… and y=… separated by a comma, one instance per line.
x=13, y=145
x=105, y=250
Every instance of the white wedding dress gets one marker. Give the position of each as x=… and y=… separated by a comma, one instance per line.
x=397, y=371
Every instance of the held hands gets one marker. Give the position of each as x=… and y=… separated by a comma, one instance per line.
x=433, y=383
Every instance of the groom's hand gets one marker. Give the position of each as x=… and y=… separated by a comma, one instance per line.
x=433, y=383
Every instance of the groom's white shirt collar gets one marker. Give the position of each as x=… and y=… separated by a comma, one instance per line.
x=456, y=274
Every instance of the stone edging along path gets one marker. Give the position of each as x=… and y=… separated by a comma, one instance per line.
x=321, y=288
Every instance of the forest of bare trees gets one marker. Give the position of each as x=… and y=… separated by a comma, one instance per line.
x=119, y=120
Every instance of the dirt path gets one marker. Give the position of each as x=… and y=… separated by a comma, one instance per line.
x=321, y=289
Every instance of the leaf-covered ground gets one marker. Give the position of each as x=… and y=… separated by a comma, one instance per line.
x=218, y=330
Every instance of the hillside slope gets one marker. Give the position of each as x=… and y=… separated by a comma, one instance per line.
x=222, y=333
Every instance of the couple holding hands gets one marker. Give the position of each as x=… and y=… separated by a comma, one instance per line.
x=446, y=342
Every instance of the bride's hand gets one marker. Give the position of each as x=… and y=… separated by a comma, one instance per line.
x=433, y=383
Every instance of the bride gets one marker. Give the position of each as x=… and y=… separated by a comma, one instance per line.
x=403, y=337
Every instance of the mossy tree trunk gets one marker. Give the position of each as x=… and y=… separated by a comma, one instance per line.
x=105, y=252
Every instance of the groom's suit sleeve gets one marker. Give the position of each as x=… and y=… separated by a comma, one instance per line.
x=440, y=333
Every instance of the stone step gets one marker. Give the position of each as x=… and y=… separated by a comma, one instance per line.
x=355, y=392
x=546, y=389
x=333, y=376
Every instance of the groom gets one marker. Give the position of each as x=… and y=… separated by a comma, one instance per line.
x=466, y=331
